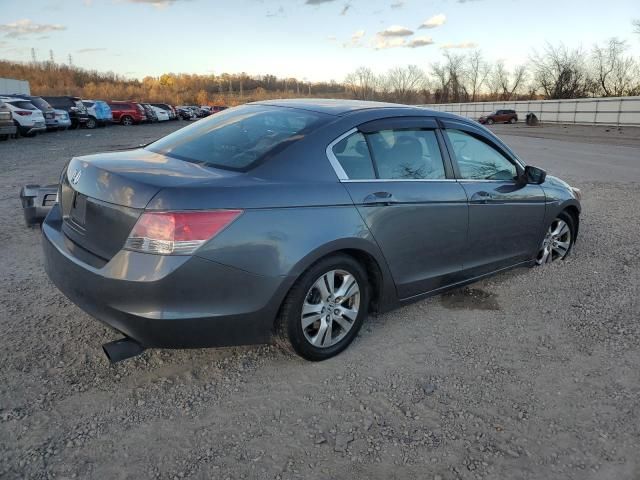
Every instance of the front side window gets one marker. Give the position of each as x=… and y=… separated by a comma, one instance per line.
x=478, y=160
x=407, y=154
x=238, y=138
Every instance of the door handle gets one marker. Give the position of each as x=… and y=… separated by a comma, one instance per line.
x=379, y=198
x=481, y=197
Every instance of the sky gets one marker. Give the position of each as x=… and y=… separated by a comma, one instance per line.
x=314, y=40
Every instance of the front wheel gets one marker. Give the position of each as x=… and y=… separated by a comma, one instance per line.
x=490, y=121
x=558, y=240
x=126, y=121
x=325, y=308
x=512, y=120
x=91, y=123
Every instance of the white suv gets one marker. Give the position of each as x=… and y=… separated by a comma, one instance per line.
x=29, y=119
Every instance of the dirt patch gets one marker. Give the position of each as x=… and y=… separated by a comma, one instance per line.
x=470, y=299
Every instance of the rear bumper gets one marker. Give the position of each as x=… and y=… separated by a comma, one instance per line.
x=164, y=301
x=8, y=130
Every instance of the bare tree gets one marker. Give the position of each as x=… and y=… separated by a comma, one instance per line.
x=614, y=73
x=560, y=72
x=477, y=73
x=636, y=24
x=455, y=70
x=361, y=83
x=405, y=83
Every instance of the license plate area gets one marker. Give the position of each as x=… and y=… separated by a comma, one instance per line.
x=78, y=211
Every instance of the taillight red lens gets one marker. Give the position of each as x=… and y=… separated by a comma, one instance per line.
x=177, y=233
x=23, y=113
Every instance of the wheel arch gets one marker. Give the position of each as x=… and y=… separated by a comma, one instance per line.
x=368, y=255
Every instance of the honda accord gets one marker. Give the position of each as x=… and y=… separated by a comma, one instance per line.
x=291, y=220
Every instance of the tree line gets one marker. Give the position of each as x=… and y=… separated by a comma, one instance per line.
x=51, y=78
x=555, y=72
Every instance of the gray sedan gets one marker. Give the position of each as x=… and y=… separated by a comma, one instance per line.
x=291, y=220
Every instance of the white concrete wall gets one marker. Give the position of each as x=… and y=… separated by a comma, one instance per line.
x=9, y=86
x=590, y=111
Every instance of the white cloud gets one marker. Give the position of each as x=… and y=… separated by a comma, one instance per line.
x=398, y=4
x=90, y=50
x=356, y=39
x=155, y=3
x=26, y=27
x=395, y=31
x=435, y=21
x=420, y=42
x=382, y=43
x=459, y=45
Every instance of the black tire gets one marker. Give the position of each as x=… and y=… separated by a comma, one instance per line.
x=571, y=223
x=126, y=120
x=73, y=126
x=289, y=332
x=512, y=120
x=4, y=138
x=91, y=123
x=490, y=121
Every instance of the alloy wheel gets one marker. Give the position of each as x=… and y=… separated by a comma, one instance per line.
x=556, y=243
x=330, y=308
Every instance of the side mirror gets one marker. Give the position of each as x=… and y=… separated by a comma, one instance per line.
x=534, y=175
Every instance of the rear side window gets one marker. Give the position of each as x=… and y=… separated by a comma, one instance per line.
x=407, y=154
x=240, y=137
x=353, y=154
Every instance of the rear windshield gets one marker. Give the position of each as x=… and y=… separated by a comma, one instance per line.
x=26, y=105
x=240, y=137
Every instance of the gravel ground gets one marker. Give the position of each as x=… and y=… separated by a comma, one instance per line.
x=532, y=374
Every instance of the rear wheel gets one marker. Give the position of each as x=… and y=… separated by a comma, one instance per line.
x=91, y=123
x=489, y=121
x=325, y=308
x=126, y=121
x=558, y=240
x=4, y=138
x=512, y=120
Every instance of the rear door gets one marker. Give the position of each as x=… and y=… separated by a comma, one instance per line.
x=505, y=215
x=403, y=186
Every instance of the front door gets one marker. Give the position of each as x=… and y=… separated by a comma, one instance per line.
x=403, y=187
x=505, y=216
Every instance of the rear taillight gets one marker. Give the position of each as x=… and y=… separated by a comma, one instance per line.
x=177, y=233
x=23, y=113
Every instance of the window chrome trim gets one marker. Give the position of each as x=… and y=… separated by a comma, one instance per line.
x=342, y=175
x=387, y=180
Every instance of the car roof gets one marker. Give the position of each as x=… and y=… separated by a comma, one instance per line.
x=342, y=107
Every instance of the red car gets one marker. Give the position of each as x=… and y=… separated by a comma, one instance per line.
x=127, y=113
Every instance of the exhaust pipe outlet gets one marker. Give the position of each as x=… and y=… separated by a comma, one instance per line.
x=122, y=349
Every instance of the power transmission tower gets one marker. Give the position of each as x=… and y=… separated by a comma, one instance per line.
x=51, y=58
x=33, y=55
x=70, y=60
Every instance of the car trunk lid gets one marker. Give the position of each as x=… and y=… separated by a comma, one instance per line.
x=102, y=196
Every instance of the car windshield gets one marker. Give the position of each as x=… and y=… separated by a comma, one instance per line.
x=238, y=138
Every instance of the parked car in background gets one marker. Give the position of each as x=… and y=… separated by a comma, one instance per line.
x=216, y=241
x=186, y=113
x=62, y=117
x=99, y=113
x=127, y=113
x=161, y=114
x=7, y=127
x=217, y=108
x=73, y=106
x=46, y=109
x=28, y=118
x=150, y=113
x=499, y=116
x=173, y=114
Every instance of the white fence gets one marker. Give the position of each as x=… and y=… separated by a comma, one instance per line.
x=9, y=86
x=586, y=111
